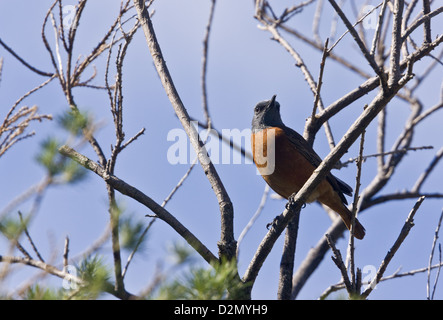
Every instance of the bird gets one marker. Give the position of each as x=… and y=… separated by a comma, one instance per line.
x=285, y=160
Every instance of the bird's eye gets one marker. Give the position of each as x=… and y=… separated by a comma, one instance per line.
x=259, y=108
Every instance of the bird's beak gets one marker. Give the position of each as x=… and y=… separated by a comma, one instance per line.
x=271, y=102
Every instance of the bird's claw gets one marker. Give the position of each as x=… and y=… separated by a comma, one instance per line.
x=273, y=223
x=291, y=201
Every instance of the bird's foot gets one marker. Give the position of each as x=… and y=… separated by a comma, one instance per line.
x=291, y=201
x=273, y=223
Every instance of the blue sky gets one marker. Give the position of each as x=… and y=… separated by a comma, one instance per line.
x=245, y=66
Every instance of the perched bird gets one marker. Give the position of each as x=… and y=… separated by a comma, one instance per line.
x=286, y=161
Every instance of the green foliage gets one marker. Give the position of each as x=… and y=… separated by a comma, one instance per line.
x=96, y=275
x=199, y=283
x=181, y=253
x=48, y=157
x=13, y=228
x=92, y=271
x=131, y=230
x=36, y=292
x=57, y=165
x=75, y=122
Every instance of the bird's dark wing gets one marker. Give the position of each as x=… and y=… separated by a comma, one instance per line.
x=344, y=187
x=302, y=146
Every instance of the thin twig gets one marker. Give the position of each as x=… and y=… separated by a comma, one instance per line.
x=43, y=266
x=254, y=217
x=272, y=28
x=431, y=256
x=139, y=242
x=395, y=152
x=320, y=79
x=351, y=248
x=26, y=231
x=419, y=22
x=401, y=237
x=420, y=181
x=26, y=95
x=354, y=25
x=395, y=275
x=13, y=128
x=50, y=269
x=22, y=61
x=205, y=65
x=65, y=253
x=316, y=22
x=376, y=38
x=438, y=272
x=340, y=264
x=360, y=43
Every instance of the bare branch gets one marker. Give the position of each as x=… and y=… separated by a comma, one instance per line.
x=427, y=24
x=254, y=217
x=43, y=266
x=139, y=242
x=438, y=271
x=205, y=65
x=294, y=54
x=360, y=44
x=340, y=265
x=394, y=68
x=401, y=237
x=331, y=55
x=320, y=79
x=351, y=248
x=65, y=253
x=26, y=231
x=354, y=25
x=376, y=38
x=382, y=154
x=22, y=61
x=50, y=269
x=139, y=196
x=287, y=259
x=431, y=256
x=12, y=130
x=423, y=20
x=370, y=85
x=227, y=244
x=317, y=253
x=395, y=275
x=426, y=173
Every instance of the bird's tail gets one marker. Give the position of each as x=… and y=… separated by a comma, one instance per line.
x=346, y=216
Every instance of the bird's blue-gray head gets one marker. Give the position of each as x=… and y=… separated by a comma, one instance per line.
x=266, y=114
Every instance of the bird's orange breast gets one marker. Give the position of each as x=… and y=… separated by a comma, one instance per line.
x=283, y=167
